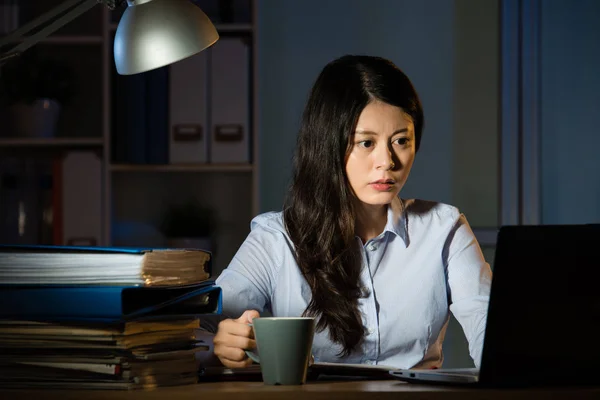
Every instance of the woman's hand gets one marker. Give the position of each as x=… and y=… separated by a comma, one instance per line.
x=233, y=337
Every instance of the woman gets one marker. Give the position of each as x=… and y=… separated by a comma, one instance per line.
x=379, y=273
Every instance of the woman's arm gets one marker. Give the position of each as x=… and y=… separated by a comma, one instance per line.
x=248, y=282
x=247, y=285
x=469, y=281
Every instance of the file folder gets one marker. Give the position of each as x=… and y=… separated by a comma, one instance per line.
x=73, y=302
x=188, y=116
x=230, y=101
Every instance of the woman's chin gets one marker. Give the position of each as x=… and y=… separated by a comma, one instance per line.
x=381, y=199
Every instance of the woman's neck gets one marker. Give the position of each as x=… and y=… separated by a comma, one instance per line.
x=370, y=221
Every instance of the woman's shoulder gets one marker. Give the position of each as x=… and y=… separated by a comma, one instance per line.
x=269, y=229
x=427, y=209
x=270, y=220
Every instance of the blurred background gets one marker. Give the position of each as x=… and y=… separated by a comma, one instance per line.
x=188, y=154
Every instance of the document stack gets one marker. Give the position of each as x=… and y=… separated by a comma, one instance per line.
x=106, y=318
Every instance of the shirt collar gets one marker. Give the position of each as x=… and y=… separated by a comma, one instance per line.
x=396, y=220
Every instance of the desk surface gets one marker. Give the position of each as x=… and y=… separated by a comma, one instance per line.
x=326, y=390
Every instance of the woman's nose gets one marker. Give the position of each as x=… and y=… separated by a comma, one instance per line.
x=385, y=160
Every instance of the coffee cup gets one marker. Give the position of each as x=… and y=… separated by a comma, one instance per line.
x=284, y=347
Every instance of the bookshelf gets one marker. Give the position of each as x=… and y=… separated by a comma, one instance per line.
x=135, y=194
x=183, y=168
x=71, y=142
x=73, y=39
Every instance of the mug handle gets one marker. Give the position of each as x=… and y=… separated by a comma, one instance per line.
x=251, y=354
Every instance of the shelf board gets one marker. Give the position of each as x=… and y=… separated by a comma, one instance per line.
x=224, y=28
x=73, y=40
x=51, y=142
x=182, y=168
x=221, y=28
x=70, y=39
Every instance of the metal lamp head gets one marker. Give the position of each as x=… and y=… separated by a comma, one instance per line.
x=155, y=33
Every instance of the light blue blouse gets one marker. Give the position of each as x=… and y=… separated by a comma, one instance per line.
x=424, y=264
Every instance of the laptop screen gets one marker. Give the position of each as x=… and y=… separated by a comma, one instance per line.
x=544, y=313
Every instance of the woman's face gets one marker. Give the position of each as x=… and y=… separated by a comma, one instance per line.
x=381, y=154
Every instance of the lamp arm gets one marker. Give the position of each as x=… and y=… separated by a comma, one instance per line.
x=62, y=15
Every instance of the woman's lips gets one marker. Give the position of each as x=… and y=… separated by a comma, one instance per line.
x=382, y=185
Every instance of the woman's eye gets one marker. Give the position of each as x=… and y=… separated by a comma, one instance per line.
x=402, y=141
x=365, y=143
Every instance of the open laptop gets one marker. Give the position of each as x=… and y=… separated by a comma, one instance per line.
x=543, y=319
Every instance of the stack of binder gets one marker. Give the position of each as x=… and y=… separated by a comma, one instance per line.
x=106, y=318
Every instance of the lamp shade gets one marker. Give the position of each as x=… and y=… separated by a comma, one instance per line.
x=155, y=33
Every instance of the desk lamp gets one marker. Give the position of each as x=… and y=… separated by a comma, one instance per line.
x=150, y=34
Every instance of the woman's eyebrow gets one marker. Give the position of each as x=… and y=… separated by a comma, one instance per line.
x=365, y=132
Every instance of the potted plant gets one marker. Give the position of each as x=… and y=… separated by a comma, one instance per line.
x=34, y=90
x=189, y=225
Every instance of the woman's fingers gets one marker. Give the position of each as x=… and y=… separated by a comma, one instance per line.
x=231, y=353
x=235, y=364
x=236, y=328
x=233, y=357
x=228, y=340
x=232, y=338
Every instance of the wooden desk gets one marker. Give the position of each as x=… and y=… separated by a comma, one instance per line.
x=348, y=390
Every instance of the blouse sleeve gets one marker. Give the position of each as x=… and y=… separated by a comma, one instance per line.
x=247, y=283
x=469, y=283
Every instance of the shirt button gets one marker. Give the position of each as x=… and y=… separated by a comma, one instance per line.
x=372, y=247
x=371, y=330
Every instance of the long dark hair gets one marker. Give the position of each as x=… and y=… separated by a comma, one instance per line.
x=319, y=207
